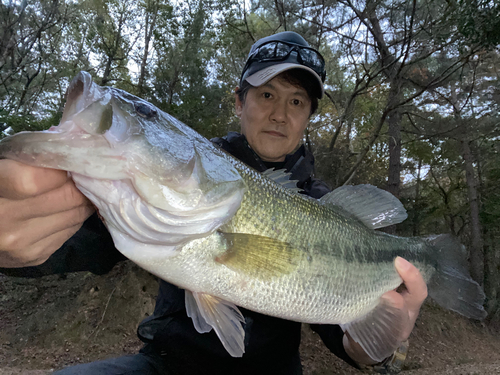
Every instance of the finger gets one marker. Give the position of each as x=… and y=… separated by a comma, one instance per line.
x=35, y=230
x=39, y=252
x=416, y=288
x=19, y=181
x=43, y=249
x=395, y=299
x=64, y=198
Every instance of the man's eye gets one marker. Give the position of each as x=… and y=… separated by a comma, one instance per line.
x=296, y=102
x=267, y=95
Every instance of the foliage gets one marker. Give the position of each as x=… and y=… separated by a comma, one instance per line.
x=10, y=124
x=478, y=21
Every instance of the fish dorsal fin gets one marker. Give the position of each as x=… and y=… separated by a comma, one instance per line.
x=375, y=207
x=282, y=178
x=224, y=317
x=379, y=332
x=258, y=256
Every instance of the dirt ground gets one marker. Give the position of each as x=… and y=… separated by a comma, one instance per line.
x=57, y=321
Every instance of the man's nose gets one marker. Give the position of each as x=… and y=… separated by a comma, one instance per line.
x=279, y=113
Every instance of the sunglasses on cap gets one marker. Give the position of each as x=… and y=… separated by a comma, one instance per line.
x=280, y=51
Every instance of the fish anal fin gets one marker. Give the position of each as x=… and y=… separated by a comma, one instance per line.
x=380, y=331
x=224, y=317
x=258, y=256
x=375, y=207
x=194, y=313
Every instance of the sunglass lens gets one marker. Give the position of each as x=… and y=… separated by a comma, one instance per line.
x=273, y=50
x=266, y=52
x=312, y=59
x=282, y=50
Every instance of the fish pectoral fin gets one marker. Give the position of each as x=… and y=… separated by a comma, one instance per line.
x=379, y=332
x=224, y=317
x=258, y=256
x=376, y=208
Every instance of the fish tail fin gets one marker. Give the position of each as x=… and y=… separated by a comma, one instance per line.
x=451, y=286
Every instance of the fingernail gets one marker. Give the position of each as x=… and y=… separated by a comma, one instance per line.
x=402, y=264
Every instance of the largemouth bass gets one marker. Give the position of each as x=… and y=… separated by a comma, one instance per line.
x=196, y=217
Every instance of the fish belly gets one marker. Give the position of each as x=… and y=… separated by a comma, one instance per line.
x=327, y=292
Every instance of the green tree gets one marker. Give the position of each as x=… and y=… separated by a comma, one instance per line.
x=111, y=37
x=185, y=84
x=30, y=43
x=152, y=12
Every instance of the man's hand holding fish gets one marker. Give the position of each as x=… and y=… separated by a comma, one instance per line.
x=40, y=209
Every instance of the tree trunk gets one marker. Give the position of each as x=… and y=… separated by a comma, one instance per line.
x=416, y=204
x=107, y=71
x=476, y=250
x=394, y=133
x=113, y=52
x=491, y=274
x=394, y=175
x=149, y=27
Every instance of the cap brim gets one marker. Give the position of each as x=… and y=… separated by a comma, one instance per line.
x=262, y=76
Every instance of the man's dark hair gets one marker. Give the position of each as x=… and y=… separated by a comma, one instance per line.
x=295, y=77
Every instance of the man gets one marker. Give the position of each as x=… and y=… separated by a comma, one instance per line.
x=41, y=217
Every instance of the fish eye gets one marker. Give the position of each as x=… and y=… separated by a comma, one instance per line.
x=145, y=110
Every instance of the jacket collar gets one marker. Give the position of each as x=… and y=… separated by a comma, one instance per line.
x=300, y=163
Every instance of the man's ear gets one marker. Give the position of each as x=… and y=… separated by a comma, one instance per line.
x=238, y=105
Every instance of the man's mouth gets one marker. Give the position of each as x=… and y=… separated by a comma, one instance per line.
x=275, y=133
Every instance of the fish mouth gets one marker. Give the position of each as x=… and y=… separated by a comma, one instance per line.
x=66, y=127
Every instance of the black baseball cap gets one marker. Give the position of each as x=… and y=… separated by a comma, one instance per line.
x=294, y=53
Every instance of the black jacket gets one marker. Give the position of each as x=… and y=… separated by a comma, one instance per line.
x=271, y=344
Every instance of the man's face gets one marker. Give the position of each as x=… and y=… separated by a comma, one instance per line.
x=273, y=118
